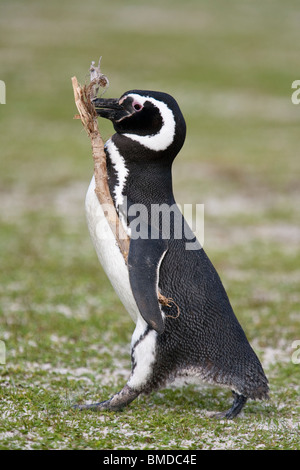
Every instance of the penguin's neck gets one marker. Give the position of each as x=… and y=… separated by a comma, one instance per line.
x=149, y=183
x=141, y=182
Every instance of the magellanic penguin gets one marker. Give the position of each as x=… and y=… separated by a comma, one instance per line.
x=197, y=334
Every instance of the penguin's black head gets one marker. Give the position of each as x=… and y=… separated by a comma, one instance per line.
x=151, y=118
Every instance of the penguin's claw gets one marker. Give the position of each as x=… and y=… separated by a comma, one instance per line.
x=238, y=403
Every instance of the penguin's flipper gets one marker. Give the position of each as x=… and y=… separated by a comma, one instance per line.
x=144, y=259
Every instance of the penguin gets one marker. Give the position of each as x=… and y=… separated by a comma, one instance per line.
x=196, y=334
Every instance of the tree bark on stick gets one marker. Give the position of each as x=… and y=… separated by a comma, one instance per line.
x=89, y=120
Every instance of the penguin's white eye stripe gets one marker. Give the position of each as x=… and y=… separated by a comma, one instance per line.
x=164, y=138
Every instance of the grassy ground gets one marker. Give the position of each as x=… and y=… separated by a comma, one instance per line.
x=230, y=65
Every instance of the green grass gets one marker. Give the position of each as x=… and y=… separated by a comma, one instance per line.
x=230, y=66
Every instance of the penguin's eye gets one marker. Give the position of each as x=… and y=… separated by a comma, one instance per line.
x=137, y=106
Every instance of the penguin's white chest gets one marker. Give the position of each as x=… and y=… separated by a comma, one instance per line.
x=108, y=251
x=143, y=346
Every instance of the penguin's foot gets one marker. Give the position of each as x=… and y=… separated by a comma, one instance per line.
x=117, y=402
x=238, y=403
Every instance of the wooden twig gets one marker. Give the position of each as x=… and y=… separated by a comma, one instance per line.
x=87, y=113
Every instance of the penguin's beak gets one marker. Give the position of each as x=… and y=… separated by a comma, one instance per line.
x=110, y=109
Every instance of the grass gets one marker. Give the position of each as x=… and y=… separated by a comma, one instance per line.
x=66, y=334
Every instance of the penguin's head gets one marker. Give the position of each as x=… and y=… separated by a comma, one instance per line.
x=151, y=118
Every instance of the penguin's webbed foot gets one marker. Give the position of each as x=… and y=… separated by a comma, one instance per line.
x=238, y=403
x=117, y=402
x=103, y=405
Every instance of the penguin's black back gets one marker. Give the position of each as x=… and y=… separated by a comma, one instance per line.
x=206, y=337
